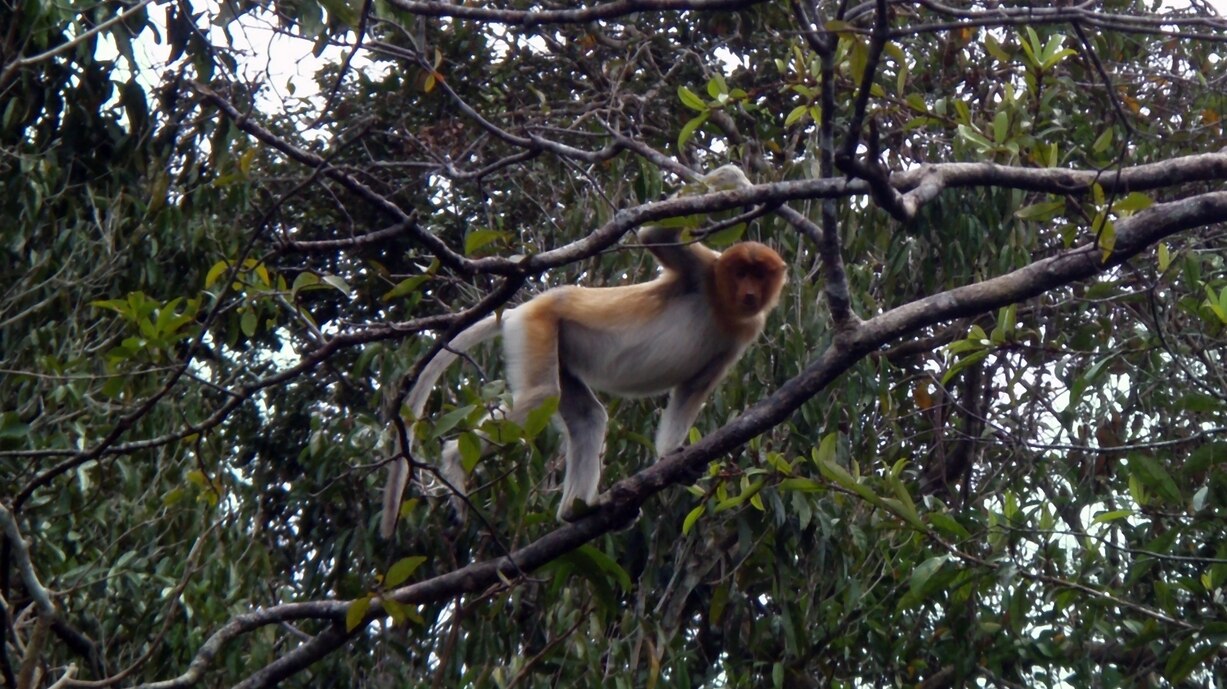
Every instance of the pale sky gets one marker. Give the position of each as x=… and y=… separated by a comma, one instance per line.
x=277, y=60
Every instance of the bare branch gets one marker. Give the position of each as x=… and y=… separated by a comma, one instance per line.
x=609, y=10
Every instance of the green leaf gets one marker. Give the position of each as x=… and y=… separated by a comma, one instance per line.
x=216, y=272
x=1216, y=303
x=1008, y=317
x=1176, y=668
x=691, y=99
x=304, y=280
x=796, y=115
x=1132, y=202
x=407, y=286
x=173, y=496
x=923, y=573
x=1001, y=126
x=475, y=240
x=689, y=129
x=1177, y=673
x=1107, y=239
x=260, y=271
x=1040, y=211
x=719, y=601
x=1103, y=141
x=691, y=518
x=805, y=485
x=1165, y=257
x=993, y=47
x=781, y=465
x=948, y=524
x=407, y=507
x=168, y=318
x=469, y=445
x=1031, y=46
x=1052, y=60
x=1106, y=517
x=749, y=492
x=119, y=306
x=337, y=282
x=248, y=322
x=907, y=506
x=1198, y=402
x=1051, y=154
x=648, y=183
x=606, y=564
x=402, y=569
x=974, y=137
x=400, y=614
x=1152, y=475
x=449, y=420
x=11, y=426
x=341, y=11
x=826, y=450
x=840, y=476
x=357, y=612
x=962, y=364
x=540, y=417
x=727, y=236
x=1204, y=457
x=858, y=57
x=501, y=431
x=395, y=610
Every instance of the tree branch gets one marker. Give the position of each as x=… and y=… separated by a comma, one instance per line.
x=606, y=11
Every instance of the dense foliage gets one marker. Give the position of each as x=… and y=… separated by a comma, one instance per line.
x=982, y=440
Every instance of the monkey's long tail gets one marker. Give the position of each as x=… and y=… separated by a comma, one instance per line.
x=398, y=471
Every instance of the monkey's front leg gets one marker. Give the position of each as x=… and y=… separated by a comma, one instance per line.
x=685, y=402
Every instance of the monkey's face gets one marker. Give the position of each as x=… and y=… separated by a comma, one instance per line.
x=749, y=277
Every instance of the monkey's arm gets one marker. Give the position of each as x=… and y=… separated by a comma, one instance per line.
x=691, y=261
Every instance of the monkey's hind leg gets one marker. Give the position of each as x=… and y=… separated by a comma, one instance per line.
x=584, y=420
x=530, y=349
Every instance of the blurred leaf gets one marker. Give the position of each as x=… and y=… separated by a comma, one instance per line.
x=402, y=569
x=1154, y=476
x=337, y=282
x=689, y=129
x=692, y=517
x=356, y=612
x=691, y=100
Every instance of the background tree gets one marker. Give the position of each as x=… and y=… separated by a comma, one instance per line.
x=982, y=440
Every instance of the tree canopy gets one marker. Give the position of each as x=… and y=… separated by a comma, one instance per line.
x=981, y=442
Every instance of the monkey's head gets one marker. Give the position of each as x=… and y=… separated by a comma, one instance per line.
x=748, y=278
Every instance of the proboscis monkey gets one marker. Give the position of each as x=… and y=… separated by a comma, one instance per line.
x=679, y=334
